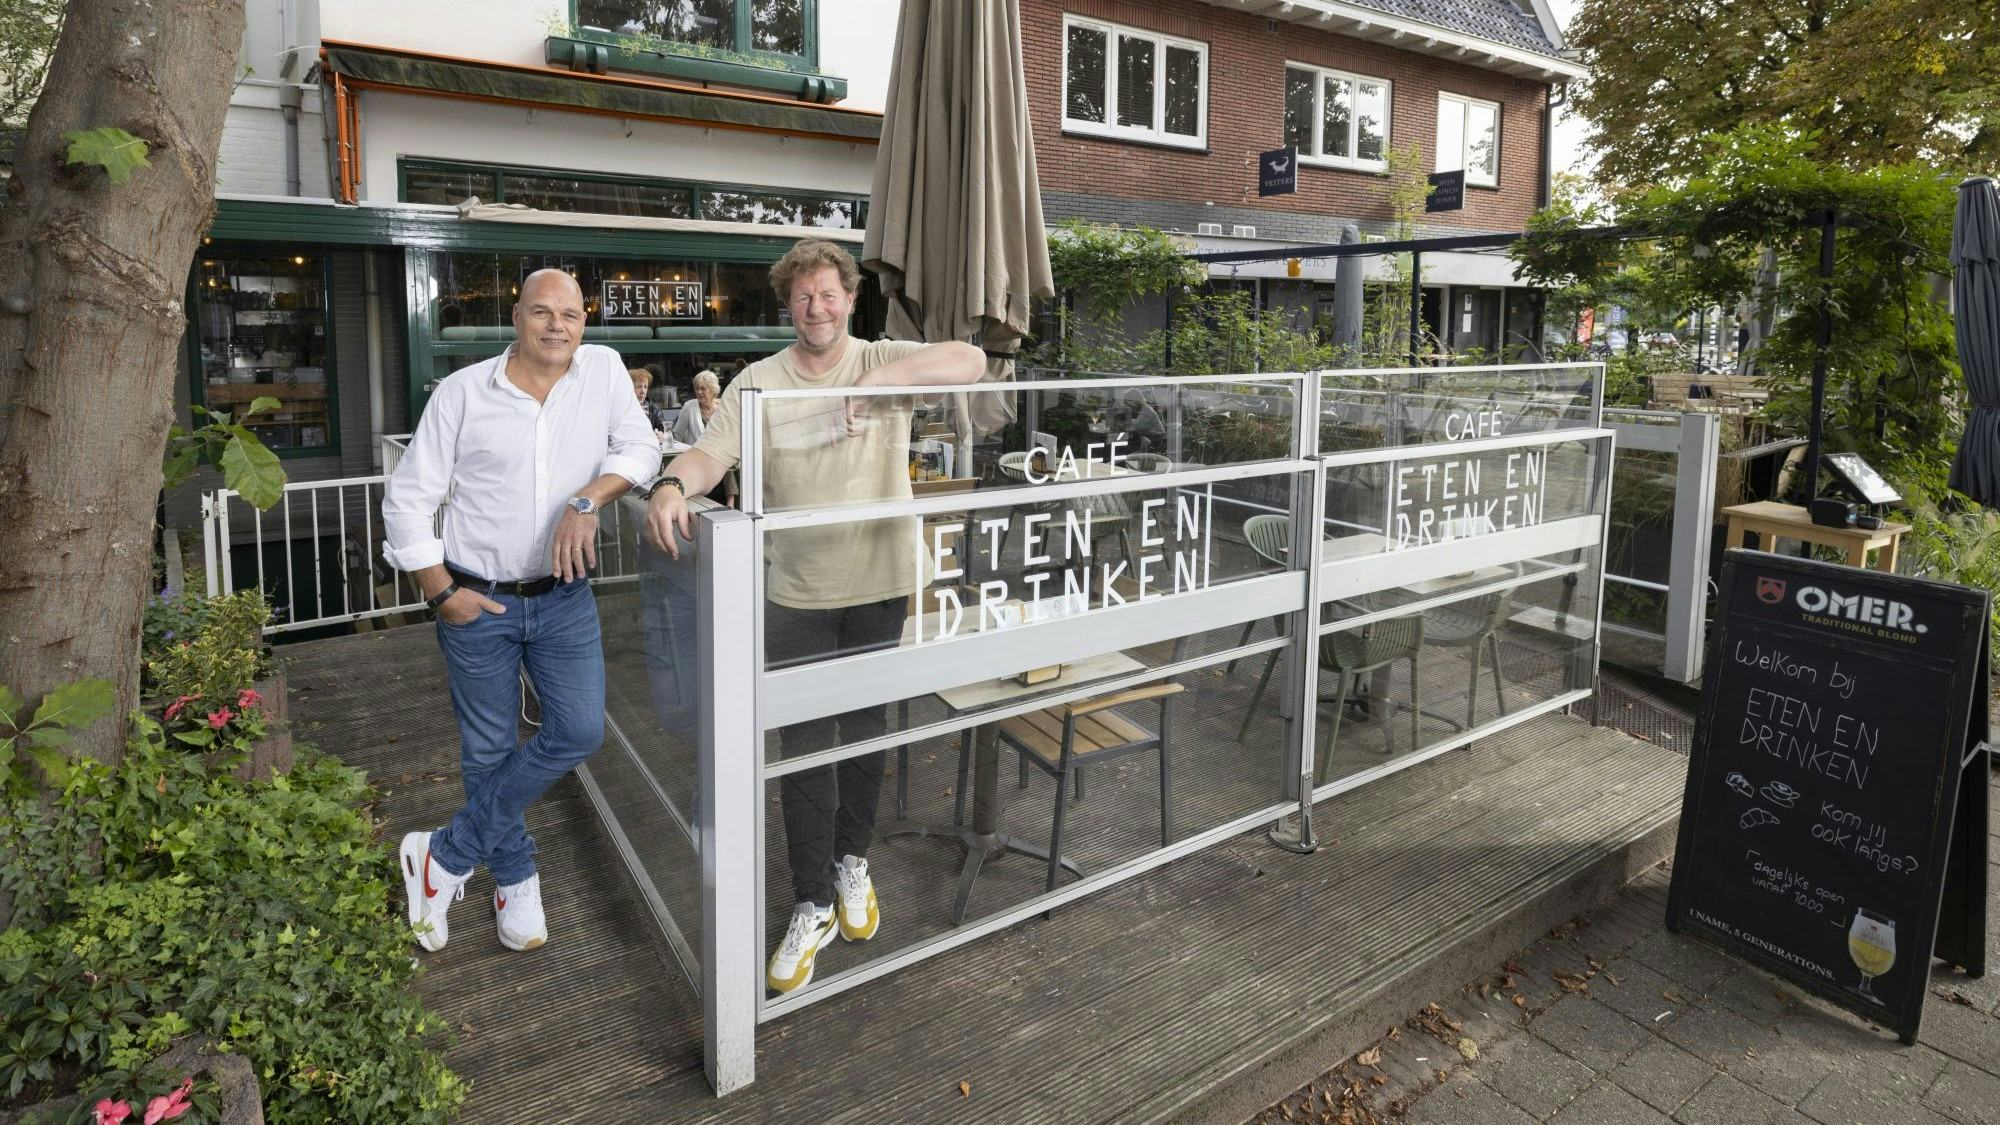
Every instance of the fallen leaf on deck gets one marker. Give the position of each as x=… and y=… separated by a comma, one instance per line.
x=1380, y=1080
x=1507, y=980
x=1469, y=1049
x=1613, y=978
x=1520, y=1001
x=965, y=1089
x=1571, y=982
x=1395, y=1035
x=1370, y=1057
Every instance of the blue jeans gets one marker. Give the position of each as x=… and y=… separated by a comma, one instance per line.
x=556, y=637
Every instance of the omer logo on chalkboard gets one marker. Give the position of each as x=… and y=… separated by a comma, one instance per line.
x=1861, y=607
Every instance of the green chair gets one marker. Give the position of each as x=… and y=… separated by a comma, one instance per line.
x=1271, y=537
x=1356, y=653
x=1473, y=624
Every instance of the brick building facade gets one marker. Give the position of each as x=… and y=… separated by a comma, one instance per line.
x=1489, y=51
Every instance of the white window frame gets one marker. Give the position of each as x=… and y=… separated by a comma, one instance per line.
x=1463, y=105
x=1109, y=127
x=1354, y=163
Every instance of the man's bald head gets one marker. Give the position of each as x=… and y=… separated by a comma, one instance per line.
x=548, y=320
x=559, y=278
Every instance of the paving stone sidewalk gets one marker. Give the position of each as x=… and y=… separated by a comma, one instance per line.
x=1610, y=1020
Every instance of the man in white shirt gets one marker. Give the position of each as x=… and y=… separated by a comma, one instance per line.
x=519, y=442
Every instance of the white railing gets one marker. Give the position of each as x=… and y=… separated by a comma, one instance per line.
x=317, y=554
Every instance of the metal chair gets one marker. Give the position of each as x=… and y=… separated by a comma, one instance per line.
x=1473, y=624
x=1061, y=740
x=1358, y=652
x=1354, y=653
x=1271, y=537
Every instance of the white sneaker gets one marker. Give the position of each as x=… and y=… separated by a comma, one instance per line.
x=859, y=914
x=517, y=911
x=429, y=889
x=791, y=966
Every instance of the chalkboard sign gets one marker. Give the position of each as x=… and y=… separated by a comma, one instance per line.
x=1824, y=822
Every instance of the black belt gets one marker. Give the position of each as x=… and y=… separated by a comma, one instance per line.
x=524, y=588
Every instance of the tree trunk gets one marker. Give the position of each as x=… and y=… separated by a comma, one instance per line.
x=92, y=280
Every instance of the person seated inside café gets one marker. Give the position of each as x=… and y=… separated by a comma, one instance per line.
x=834, y=589
x=642, y=382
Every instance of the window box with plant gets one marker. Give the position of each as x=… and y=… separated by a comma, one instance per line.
x=760, y=44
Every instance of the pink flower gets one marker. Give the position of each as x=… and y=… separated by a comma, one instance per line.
x=248, y=698
x=111, y=1113
x=219, y=719
x=168, y=1106
x=178, y=705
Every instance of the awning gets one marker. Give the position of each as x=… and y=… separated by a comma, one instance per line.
x=626, y=97
x=513, y=213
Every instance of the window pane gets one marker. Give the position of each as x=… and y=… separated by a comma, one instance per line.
x=1299, y=109
x=1183, y=92
x=774, y=207
x=1482, y=135
x=1371, y=117
x=778, y=25
x=261, y=324
x=443, y=185
x=1086, y=75
x=557, y=193
x=709, y=23
x=1135, y=82
x=1339, y=112
x=1451, y=135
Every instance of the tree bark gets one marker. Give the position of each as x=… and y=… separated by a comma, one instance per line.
x=92, y=282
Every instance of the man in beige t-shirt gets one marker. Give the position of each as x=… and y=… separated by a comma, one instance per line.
x=835, y=588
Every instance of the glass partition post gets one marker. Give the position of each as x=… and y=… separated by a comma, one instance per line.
x=1687, y=581
x=1302, y=670
x=730, y=645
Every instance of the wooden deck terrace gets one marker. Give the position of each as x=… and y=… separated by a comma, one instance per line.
x=1200, y=991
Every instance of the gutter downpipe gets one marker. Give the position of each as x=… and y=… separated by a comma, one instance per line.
x=372, y=301
x=290, y=97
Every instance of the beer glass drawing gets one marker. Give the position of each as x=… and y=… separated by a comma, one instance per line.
x=1871, y=941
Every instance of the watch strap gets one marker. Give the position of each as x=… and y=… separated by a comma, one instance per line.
x=439, y=598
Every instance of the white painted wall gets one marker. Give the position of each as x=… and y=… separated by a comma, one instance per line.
x=394, y=126
x=857, y=41
x=499, y=30
x=856, y=37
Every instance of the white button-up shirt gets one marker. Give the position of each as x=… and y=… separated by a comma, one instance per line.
x=510, y=464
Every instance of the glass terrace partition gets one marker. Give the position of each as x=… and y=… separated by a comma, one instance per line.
x=1020, y=642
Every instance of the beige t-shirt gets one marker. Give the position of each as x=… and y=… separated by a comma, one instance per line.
x=839, y=564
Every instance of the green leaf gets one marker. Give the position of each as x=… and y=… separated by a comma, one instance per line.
x=52, y=762
x=50, y=736
x=77, y=704
x=252, y=470
x=116, y=151
x=9, y=704
x=181, y=462
x=262, y=402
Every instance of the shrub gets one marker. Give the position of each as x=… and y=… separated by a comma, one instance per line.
x=160, y=897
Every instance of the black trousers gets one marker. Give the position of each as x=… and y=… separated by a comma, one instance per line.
x=830, y=811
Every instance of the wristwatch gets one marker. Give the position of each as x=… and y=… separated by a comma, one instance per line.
x=442, y=596
x=584, y=505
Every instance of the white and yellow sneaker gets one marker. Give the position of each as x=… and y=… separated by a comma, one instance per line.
x=791, y=967
x=859, y=913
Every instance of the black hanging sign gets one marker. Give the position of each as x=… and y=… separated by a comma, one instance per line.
x=1824, y=833
x=1447, y=192
x=1278, y=171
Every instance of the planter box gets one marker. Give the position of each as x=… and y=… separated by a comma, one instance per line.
x=272, y=754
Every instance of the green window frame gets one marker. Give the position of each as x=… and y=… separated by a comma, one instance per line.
x=701, y=193
x=191, y=345
x=740, y=34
